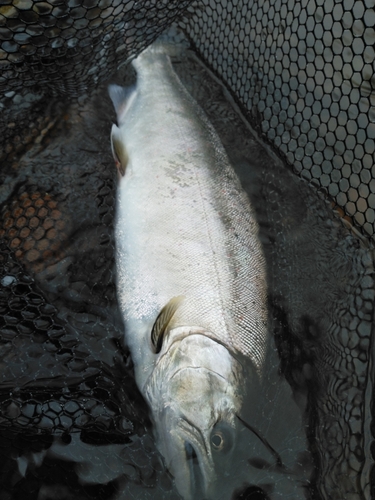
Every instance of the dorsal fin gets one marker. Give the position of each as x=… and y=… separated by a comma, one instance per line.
x=163, y=320
x=119, y=152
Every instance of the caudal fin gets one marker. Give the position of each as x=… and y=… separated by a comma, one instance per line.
x=171, y=42
x=121, y=98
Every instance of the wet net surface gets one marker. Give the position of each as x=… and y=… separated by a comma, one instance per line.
x=303, y=75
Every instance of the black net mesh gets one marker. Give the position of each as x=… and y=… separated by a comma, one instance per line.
x=69, y=46
x=304, y=71
x=66, y=48
x=303, y=75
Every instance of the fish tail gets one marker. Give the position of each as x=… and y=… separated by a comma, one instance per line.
x=121, y=98
x=171, y=43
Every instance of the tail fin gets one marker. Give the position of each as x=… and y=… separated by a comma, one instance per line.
x=174, y=36
x=121, y=98
x=171, y=42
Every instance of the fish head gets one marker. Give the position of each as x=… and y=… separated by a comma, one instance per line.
x=197, y=431
x=195, y=394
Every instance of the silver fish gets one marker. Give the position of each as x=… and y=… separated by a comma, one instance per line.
x=191, y=281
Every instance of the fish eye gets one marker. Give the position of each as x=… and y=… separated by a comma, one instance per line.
x=221, y=438
x=217, y=441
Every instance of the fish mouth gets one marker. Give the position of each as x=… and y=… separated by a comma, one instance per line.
x=197, y=477
x=190, y=393
x=190, y=461
x=200, y=402
x=188, y=457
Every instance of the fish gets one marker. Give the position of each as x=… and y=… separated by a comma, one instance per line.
x=191, y=282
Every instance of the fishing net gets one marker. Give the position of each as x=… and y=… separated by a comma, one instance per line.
x=304, y=71
x=303, y=75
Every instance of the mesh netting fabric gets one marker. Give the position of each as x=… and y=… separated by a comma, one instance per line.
x=304, y=71
x=65, y=48
x=69, y=46
x=302, y=74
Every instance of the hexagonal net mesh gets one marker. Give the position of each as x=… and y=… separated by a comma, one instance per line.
x=66, y=48
x=304, y=71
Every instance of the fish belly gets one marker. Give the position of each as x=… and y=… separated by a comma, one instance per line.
x=184, y=226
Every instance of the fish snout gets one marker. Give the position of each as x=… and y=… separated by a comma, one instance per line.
x=193, y=470
x=186, y=453
x=194, y=418
x=197, y=457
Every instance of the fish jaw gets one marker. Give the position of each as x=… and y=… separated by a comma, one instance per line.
x=194, y=392
x=187, y=428
x=186, y=457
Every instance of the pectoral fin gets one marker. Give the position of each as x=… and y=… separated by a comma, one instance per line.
x=119, y=152
x=162, y=322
